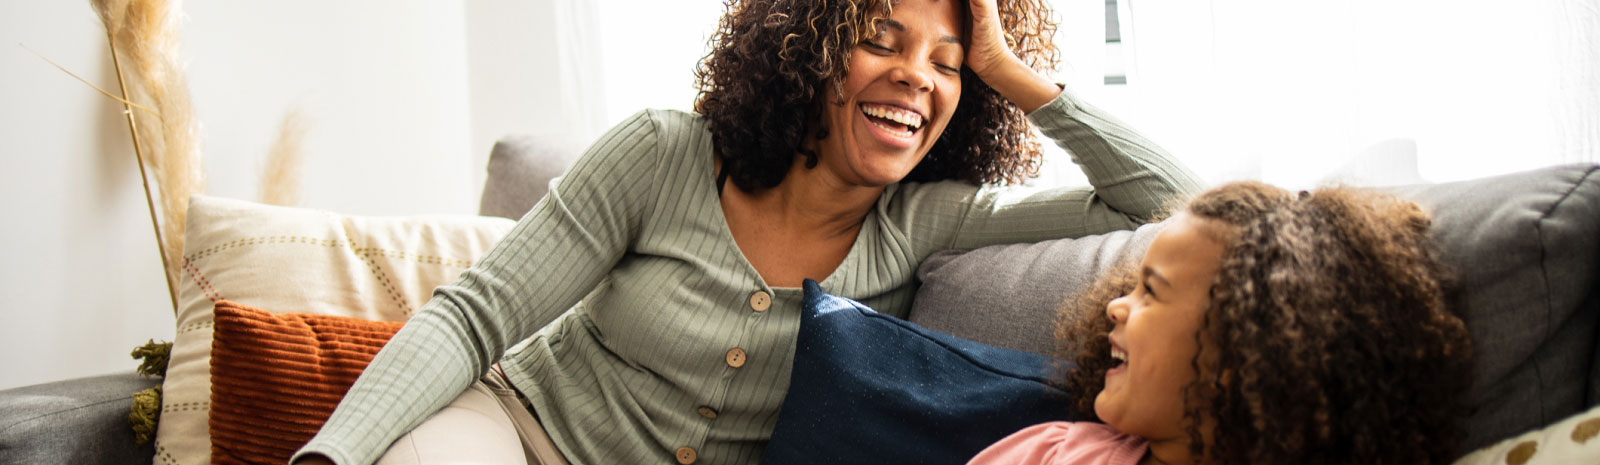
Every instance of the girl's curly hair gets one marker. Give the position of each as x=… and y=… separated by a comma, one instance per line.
x=1327, y=326
x=774, y=62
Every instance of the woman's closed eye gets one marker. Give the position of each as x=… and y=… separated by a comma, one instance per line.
x=878, y=48
x=883, y=49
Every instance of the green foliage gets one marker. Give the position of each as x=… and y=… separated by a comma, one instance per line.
x=146, y=413
x=154, y=356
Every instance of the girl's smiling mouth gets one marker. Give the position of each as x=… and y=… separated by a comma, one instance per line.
x=1119, y=356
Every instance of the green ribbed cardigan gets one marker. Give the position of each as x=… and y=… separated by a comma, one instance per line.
x=613, y=304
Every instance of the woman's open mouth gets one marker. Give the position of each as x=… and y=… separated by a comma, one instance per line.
x=895, y=121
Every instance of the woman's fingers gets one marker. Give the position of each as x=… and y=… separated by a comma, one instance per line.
x=988, y=42
x=993, y=61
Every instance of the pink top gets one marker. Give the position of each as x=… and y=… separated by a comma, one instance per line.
x=1064, y=443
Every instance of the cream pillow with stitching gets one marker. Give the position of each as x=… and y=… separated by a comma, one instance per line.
x=374, y=268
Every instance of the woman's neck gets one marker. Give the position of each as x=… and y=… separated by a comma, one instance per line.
x=812, y=200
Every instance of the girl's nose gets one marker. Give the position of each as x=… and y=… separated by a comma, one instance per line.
x=1117, y=310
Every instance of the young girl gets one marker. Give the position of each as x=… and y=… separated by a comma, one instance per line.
x=1264, y=327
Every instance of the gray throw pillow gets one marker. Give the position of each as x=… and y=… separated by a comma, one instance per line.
x=1523, y=247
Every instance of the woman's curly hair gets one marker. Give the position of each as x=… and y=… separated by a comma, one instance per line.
x=1327, y=339
x=773, y=62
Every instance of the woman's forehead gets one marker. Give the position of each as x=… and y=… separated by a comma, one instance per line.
x=924, y=8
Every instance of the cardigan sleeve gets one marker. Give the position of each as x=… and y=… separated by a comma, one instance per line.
x=555, y=255
x=1131, y=181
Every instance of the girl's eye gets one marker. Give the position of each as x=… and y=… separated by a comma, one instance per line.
x=950, y=70
x=1147, y=290
x=878, y=48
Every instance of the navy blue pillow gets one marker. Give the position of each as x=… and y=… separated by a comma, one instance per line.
x=873, y=389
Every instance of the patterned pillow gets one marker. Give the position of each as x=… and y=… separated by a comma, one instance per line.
x=275, y=378
x=872, y=389
x=1573, y=440
x=372, y=268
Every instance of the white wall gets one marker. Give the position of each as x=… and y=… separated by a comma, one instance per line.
x=383, y=86
x=526, y=78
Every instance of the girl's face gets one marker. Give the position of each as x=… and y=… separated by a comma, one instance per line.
x=1154, y=332
x=899, y=94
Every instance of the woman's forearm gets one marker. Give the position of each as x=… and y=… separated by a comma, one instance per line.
x=1027, y=89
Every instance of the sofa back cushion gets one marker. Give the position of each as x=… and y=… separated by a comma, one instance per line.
x=520, y=170
x=1523, y=247
x=1007, y=295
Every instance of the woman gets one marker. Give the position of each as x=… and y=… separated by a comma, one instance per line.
x=683, y=238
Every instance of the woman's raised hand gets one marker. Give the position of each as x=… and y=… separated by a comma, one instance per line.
x=988, y=51
x=993, y=61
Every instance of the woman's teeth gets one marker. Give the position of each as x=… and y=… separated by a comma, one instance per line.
x=910, y=120
x=1118, y=355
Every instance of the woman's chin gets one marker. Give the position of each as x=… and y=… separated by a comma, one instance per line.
x=885, y=177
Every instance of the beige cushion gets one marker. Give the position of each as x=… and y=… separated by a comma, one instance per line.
x=1573, y=440
x=310, y=261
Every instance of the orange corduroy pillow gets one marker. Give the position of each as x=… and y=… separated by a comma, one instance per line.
x=276, y=377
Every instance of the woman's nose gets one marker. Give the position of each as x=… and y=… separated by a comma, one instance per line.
x=911, y=74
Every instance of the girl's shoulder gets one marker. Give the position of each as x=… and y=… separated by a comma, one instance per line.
x=1065, y=443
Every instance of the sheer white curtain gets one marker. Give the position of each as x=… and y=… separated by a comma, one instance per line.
x=649, y=51
x=1294, y=93
x=1365, y=91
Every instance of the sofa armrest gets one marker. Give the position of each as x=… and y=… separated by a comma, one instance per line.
x=81, y=420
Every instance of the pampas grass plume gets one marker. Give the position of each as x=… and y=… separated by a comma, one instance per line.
x=280, y=181
x=145, y=34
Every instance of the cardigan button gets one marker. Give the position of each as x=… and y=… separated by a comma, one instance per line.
x=735, y=357
x=685, y=455
x=760, y=301
x=708, y=412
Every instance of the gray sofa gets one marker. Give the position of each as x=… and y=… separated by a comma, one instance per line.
x=1525, y=247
